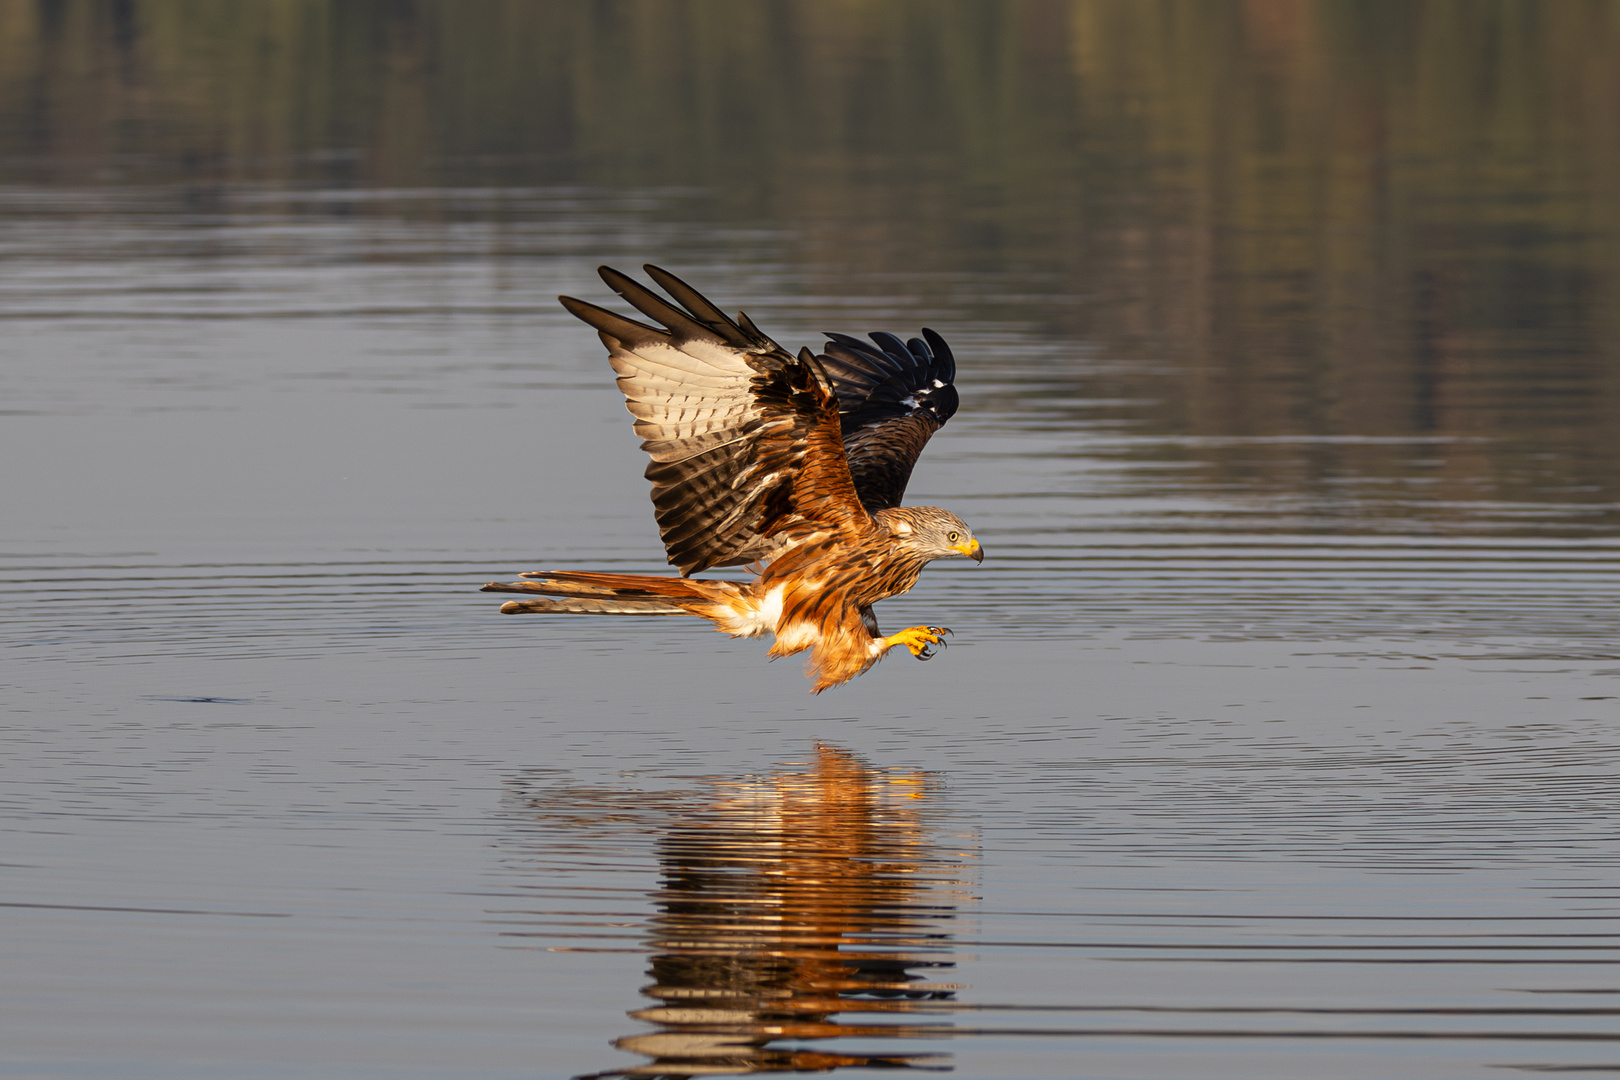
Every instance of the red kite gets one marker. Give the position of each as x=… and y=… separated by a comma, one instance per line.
x=793, y=465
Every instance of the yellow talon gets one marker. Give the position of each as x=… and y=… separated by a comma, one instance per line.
x=920, y=640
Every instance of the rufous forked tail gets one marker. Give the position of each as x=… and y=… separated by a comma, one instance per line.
x=582, y=592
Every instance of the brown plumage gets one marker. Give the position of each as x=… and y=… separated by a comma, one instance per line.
x=794, y=463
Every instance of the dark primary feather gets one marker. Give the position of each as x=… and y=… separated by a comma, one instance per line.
x=891, y=398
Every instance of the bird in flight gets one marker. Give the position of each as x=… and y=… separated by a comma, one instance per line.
x=791, y=465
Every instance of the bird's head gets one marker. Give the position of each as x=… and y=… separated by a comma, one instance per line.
x=932, y=533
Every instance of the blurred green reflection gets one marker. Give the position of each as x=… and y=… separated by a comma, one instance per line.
x=1386, y=226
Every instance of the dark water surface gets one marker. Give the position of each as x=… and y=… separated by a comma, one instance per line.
x=1280, y=734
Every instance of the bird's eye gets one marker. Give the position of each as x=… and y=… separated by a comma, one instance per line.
x=954, y=537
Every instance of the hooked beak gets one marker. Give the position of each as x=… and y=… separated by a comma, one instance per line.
x=971, y=550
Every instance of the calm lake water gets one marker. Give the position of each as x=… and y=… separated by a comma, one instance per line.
x=1280, y=731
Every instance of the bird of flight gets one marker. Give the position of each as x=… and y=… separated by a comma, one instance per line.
x=791, y=465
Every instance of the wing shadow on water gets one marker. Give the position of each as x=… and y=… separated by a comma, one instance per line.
x=812, y=903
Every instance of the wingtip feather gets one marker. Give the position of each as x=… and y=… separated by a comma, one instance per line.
x=611, y=323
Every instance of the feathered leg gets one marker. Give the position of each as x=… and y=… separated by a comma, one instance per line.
x=843, y=648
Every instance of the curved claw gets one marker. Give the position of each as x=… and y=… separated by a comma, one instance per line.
x=938, y=634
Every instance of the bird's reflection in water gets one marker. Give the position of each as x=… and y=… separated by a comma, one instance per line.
x=806, y=905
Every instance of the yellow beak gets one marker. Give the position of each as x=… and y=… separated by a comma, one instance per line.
x=972, y=550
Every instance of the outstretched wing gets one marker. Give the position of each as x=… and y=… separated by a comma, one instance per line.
x=744, y=436
x=891, y=399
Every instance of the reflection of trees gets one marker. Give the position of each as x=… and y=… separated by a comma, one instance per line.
x=788, y=903
x=1324, y=217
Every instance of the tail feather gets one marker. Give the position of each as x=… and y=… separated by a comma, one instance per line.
x=581, y=592
x=592, y=583
x=587, y=606
x=548, y=587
